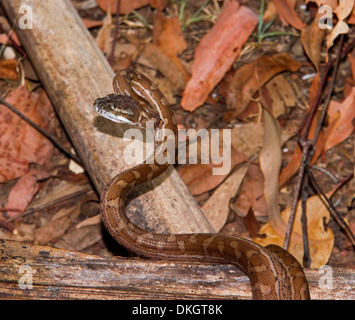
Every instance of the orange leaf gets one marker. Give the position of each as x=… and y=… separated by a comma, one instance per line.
x=217, y=51
x=294, y=163
x=8, y=69
x=249, y=78
x=321, y=238
x=169, y=38
x=25, y=189
x=158, y=4
x=20, y=144
x=341, y=116
x=286, y=10
x=312, y=37
x=126, y=6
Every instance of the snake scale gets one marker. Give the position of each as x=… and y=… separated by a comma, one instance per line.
x=273, y=272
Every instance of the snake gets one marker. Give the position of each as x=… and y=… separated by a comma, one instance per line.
x=274, y=273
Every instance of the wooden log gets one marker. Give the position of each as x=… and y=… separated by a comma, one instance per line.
x=75, y=73
x=39, y=272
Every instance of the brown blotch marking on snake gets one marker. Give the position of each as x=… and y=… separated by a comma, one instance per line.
x=136, y=174
x=153, y=86
x=193, y=238
x=148, y=235
x=235, y=245
x=182, y=246
x=171, y=238
x=164, y=101
x=112, y=204
x=220, y=246
x=207, y=243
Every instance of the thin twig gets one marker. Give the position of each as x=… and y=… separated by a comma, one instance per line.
x=306, y=252
x=309, y=145
x=291, y=219
x=115, y=34
x=41, y=130
x=337, y=217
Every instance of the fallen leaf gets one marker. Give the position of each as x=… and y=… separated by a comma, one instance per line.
x=164, y=64
x=217, y=51
x=56, y=228
x=251, y=194
x=344, y=8
x=250, y=77
x=270, y=164
x=25, y=189
x=281, y=95
x=4, y=38
x=292, y=166
x=126, y=6
x=341, y=116
x=216, y=208
x=321, y=238
x=103, y=38
x=8, y=69
x=169, y=38
x=286, y=10
x=312, y=38
x=79, y=239
x=92, y=23
x=158, y=4
x=20, y=144
x=340, y=28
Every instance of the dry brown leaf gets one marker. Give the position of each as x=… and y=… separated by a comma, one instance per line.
x=217, y=51
x=321, y=238
x=281, y=95
x=79, y=239
x=344, y=8
x=165, y=65
x=169, y=38
x=92, y=23
x=312, y=38
x=25, y=189
x=270, y=163
x=286, y=10
x=158, y=4
x=340, y=28
x=199, y=177
x=8, y=69
x=216, y=208
x=294, y=163
x=4, y=38
x=20, y=144
x=252, y=76
x=126, y=6
x=251, y=194
x=103, y=38
x=341, y=116
x=56, y=228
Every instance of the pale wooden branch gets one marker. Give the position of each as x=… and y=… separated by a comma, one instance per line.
x=75, y=73
x=62, y=274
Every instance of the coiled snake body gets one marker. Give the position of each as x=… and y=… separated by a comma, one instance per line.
x=273, y=272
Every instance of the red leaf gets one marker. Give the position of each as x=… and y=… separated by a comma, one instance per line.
x=217, y=51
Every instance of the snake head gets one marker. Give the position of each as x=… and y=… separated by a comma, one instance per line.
x=118, y=108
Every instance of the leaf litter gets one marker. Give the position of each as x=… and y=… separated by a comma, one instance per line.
x=255, y=90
